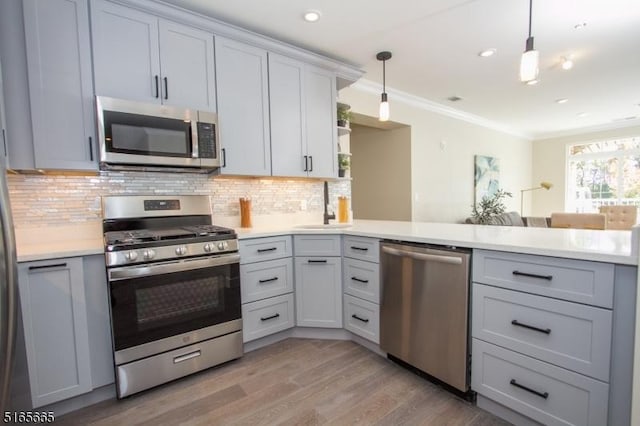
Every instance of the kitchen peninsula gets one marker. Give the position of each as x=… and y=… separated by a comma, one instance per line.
x=563, y=250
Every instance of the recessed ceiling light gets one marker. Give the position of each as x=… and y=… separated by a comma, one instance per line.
x=583, y=114
x=562, y=101
x=567, y=63
x=312, y=15
x=579, y=25
x=533, y=82
x=487, y=53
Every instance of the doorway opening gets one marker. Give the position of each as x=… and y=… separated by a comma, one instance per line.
x=380, y=169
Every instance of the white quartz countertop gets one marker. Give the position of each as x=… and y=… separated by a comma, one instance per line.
x=603, y=246
x=59, y=241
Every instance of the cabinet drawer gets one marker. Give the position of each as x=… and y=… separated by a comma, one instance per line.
x=268, y=248
x=266, y=317
x=362, y=318
x=571, y=399
x=573, y=336
x=266, y=279
x=361, y=248
x=317, y=245
x=361, y=279
x=575, y=280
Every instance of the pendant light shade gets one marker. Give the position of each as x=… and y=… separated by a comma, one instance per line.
x=530, y=57
x=383, y=114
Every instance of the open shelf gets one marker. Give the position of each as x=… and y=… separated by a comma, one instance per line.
x=343, y=130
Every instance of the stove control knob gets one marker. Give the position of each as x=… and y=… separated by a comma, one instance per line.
x=181, y=251
x=223, y=245
x=149, y=254
x=208, y=247
x=131, y=256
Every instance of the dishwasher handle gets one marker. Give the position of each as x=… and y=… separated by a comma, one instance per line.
x=452, y=260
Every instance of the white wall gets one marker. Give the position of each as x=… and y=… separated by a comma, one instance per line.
x=381, y=185
x=549, y=164
x=442, y=178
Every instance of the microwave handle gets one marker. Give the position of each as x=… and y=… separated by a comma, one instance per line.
x=195, y=151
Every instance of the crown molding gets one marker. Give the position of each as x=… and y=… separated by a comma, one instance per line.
x=425, y=104
x=591, y=129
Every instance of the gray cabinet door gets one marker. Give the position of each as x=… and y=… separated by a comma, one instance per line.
x=188, y=74
x=243, y=108
x=321, y=130
x=54, y=314
x=318, y=292
x=98, y=320
x=60, y=83
x=288, y=137
x=125, y=52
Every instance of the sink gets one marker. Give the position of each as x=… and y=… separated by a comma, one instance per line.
x=321, y=226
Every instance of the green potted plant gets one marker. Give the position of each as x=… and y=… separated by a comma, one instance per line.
x=344, y=162
x=489, y=207
x=344, y=116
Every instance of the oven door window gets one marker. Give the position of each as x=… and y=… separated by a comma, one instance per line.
x=146, y=135
x=150, y=308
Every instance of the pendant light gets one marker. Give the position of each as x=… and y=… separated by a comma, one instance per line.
x=383, y=114
x=530, y=57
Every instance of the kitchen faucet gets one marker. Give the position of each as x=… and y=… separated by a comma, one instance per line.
x=327, y=216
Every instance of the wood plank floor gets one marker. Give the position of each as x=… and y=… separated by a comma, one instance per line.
x=293, y=382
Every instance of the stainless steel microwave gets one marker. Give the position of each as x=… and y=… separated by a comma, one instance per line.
x=140, y=135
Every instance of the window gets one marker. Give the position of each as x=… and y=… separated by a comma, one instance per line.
x=602, y=174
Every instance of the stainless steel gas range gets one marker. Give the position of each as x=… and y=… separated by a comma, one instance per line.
x=174, y=283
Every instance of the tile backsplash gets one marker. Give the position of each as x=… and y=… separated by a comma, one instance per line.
x=60, y=199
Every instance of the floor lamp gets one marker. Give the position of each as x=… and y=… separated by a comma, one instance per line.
x=545, y=185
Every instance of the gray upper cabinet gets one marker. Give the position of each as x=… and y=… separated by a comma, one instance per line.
x=140, y=57
x=126, y=52
x=243, y=108
x=60, y=84
x=54, y=314
x=186, y=55
x=303, y=117
x=288, y=136
x=320, y=108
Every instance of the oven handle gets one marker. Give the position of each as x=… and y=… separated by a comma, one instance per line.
x=173, y=266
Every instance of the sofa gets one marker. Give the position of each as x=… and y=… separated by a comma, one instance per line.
x=514, y=219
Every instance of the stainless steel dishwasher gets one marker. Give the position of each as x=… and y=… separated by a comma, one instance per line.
x=424, y=309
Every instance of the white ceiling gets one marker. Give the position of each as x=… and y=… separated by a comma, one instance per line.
x=435, y=45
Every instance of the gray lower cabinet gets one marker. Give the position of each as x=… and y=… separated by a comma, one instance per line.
x=318, y=281
x=266, y=283
x=67, y=333
x=361, y=283
x=53, y=302
x=538, y=390
x=542, y=336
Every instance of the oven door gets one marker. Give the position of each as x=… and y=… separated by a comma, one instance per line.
x=158, y=307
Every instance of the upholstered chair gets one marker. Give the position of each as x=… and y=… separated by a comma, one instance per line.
x=620, y=217
x=578, y=220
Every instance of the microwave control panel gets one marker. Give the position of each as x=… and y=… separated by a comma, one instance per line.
x=206, y=140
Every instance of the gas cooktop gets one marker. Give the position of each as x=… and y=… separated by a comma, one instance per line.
x=141, y=236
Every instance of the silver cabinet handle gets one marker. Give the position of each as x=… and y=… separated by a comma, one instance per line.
x=421, y=256
x=186, y=357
